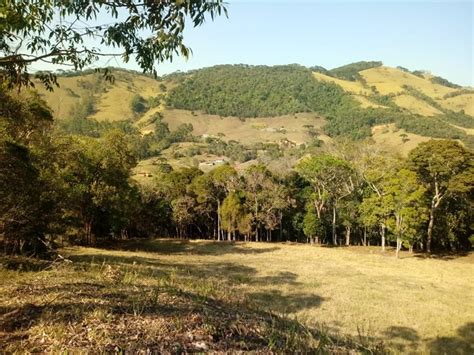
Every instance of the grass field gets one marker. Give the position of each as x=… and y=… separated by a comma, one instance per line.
x=191, y=296
x=415, y=105
x=354, y=87
x=461, y=102
x=391, y=81
x=249, y=130
x=391, y=138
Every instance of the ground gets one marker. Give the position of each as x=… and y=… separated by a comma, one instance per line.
x=178, y=295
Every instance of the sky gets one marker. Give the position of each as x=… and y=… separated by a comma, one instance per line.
x=425, y=35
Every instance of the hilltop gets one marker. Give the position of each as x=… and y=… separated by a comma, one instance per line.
x=280, y=106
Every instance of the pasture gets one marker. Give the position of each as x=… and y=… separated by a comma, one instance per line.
x=197, y=295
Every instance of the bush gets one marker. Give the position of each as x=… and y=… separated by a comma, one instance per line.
x=138, y=104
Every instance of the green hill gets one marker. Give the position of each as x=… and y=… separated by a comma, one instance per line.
x=268, y=104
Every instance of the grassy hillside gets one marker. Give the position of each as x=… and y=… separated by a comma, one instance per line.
x=110, y=101
x=260, y=104
x=191, y=296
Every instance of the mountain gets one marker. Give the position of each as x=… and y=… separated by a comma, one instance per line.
x=281, y=105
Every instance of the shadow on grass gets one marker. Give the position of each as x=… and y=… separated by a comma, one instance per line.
x=86, y=307
x=443, y=255
x=405, y=339
x=230, y=273
x=170, y=246
x=23, y=264
x=281, y=303
x=462, y=343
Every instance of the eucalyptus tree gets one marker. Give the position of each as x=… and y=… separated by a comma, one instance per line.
x=258, y=182
x=404, y=200
x=212, y=188
x=231, y=213
x=332, y=180
x=445, y=168
x=375, y=168
x=79, y=33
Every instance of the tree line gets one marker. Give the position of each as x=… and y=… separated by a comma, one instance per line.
x=59, y=187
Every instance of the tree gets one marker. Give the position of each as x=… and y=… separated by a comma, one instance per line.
x=374, y=213
x=375, y=169
x=404, y=200
x=332, y=180
x=96, y=173
x=349, y=214
x=274, y=199
x=183, y=214
x=257, y=186
x=20, y=220
x=231, y=213
x=64, y=32
x=212, y=189
x=138, y=104
x=444, y=167
x=312, y=225
x=28, y=191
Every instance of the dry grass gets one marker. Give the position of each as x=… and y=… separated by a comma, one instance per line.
x=391, y=139
x=187, y=296
x=250, y=130
x=354, y=87
x=415, y=105
x=62, y=99
x=365, y=102
x=115, y=103
x=391, y=81
x=461, y=102
x=112, y=102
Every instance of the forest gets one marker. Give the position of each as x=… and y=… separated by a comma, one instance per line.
x=73, y=188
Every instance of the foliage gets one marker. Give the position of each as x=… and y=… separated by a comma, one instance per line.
x=28, y=197
x=404, y=201
x=351, y=71
x=260, y=91
x=442, y=81
x=51, y=32
x=429, y=126
x=244, y=91
x=457, y=93
x=446, y=169
x=138, y=104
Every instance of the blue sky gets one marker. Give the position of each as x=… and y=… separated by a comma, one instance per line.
x=424, y=35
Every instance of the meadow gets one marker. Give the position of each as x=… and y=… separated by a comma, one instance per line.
x=172, y=295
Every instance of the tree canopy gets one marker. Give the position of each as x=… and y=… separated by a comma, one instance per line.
x=72, y=33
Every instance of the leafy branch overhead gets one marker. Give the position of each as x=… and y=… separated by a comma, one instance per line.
x=75, y=33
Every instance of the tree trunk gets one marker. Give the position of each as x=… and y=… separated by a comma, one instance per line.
x=365, y=237
x=334, y=237
x=348, y=236
x=430, y=227
x=280, y=236
x=88, y=232
x=399, y=245
x=382, y=235
x=218, y=219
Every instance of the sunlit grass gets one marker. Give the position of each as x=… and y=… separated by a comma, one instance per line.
x=344, y=297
